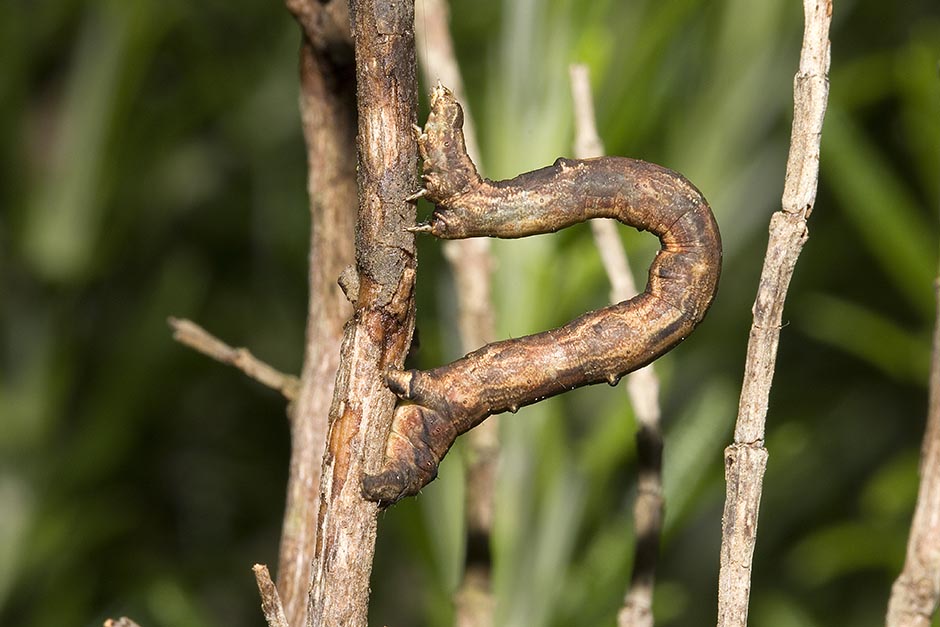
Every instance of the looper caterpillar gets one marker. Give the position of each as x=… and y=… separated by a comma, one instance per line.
x=600, y=346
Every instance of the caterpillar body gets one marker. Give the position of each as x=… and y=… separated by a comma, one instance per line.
x=600, y=346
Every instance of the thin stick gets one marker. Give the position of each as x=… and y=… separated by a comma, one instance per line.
x=916, y=592
x=270, y=600
x=379, y=334
x=194, y=336
x=472, y=265
x=746, y=458
x=642, y=385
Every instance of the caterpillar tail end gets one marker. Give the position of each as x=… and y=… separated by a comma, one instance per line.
x=395, y=482
x=419, y=439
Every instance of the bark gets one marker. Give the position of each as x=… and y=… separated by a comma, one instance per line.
x=327, y=108
x=746, y=458
x=916, y=592
x=379, y=333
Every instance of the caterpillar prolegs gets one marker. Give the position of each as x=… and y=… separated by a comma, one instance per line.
x=601, y=346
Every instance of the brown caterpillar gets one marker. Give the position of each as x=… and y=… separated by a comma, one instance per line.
x=600, y=346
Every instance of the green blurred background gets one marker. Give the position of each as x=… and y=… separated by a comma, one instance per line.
x=153, y=165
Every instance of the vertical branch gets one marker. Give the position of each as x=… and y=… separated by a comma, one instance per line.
x=746, y=458
x=916, y=592
x=327, y=108
x=642, y=386
x=379, y=334
x=471, y=265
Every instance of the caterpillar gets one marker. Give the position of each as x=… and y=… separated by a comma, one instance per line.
x=600, y=346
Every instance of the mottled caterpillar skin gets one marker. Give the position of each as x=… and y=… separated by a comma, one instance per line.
x=600, y=346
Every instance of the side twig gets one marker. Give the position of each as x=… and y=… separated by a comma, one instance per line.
x=746, y=458
x=194, y=336
x=642, y=385
x=916, y=592
x=379, y=334
x=270, y=601
x=471, y=265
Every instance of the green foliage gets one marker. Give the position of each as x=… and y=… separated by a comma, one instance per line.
x=154, y=166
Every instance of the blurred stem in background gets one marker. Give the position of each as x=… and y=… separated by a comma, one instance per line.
x=916, y=592
x=642, y=386
x=328, y=117
x=471, y=265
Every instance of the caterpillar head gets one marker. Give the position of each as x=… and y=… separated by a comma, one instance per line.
x=448, y=170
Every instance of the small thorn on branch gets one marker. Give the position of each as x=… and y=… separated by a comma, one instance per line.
x=419, y=228
x=194, y=336
x=270, y=599
x=421, y=193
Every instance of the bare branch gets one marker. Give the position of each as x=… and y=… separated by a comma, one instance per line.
x=587, y=142
x=642, y=385
x=270, y=600
x=379, y=334
x=328, y=116
x=746, y=458
x=194, y=336
x=916, y=592
x=474, y=602
x=327, y=108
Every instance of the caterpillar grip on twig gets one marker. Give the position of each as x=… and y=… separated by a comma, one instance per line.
x=601, y=346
